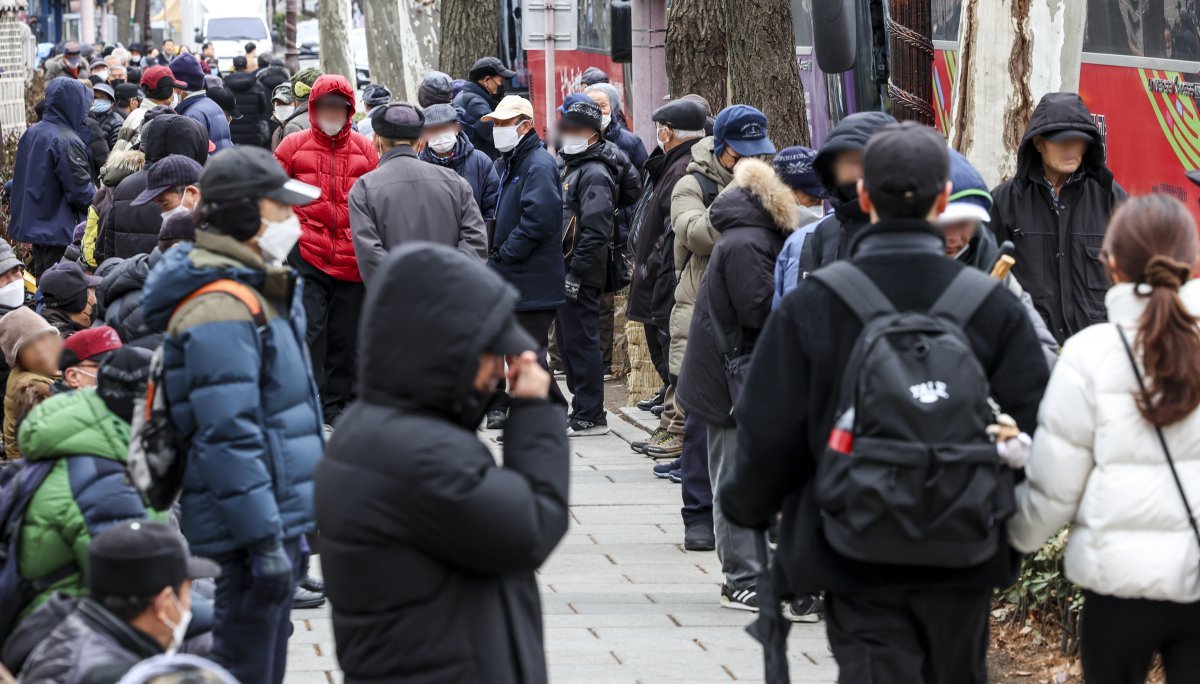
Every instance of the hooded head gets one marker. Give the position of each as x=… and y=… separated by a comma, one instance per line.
x=423, y=351
x=330, y=93
x=174, y=134
x=850, y=135
x=68, y=102
x=1057, y=113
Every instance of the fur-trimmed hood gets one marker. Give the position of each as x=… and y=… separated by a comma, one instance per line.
x=120, y=165
x=756, y=198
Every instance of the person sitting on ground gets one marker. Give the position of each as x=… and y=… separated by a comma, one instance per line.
x=82, y=355
x=439, y=503
x=31, y=349
x=69, y=297
x=447, y=145
x=139, y=602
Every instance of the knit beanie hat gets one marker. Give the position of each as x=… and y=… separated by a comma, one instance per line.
x=18, y=328
x=436, y=88
x=121, y=379
x=795, y=167
x=304, y=79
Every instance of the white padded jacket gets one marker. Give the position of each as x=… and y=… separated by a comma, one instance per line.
x=1097, y=464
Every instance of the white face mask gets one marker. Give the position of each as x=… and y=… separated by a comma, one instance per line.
x=182, y=208
x=605, y=120
x=277, y=241
x=101, y=73
x=505, y=137
x=174, y=100
x=331, y=128
x=12, y=295
x=573, y=144
x=817, y=210
x=178, y=629
x=444, y=142
x=662, y=144
x=282, y=112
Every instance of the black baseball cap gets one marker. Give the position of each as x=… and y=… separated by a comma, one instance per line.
x=226, y=100
x=905, y=167
x=1064, y=134
x=489, y=66
x=127, y=91
x=64, y=286
x=246, y=171
x=172, y=171
x=141, y=558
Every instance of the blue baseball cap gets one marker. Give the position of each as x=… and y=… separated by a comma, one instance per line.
x=572, y=99
x=743, y=128
x=969, y=198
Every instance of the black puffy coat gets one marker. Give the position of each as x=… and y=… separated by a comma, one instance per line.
x=120, y=295
x=91, y=646
x=596, y=183
x=97, y=146
x=476, y=102
x=754, y=215
x=428, y=495
x=110, y=125
x=252, y=104
x=1058, y=247
x=830, y=241
x=664, y=170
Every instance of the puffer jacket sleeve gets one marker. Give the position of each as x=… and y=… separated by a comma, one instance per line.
x=472, y=234
x=103, y=497
x=73, y=169
x=541, y=214
x=689, y=218
x=500, y=520
x=222, y=360
x=1062, y=458
x=597, y=194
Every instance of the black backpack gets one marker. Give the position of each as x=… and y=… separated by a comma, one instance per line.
x=662, y=298
x=909, y=475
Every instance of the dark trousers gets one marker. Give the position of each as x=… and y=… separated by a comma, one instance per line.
x=658, y=353
x=579, y=344
x=1119, y=637
x=332, y=308
x=697, y=489
x=45, y=256
x=250, y=636
x=607, y=320
x=537, y=324
x=910, y=636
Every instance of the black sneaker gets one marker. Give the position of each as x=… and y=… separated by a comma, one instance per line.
x=303, y=598
x=657, y=411
x=663, y=470
x=313, y=584
x=698, y=536
x=649, y=404
x=804, y=609
x=584, y=428
x=739, y=599
x=496, y=419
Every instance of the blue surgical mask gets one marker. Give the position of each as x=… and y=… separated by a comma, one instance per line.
x=101, y=106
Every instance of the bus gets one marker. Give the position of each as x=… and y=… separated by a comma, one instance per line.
x=1140, y=78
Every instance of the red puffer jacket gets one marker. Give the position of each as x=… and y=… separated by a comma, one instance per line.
x=332, y=164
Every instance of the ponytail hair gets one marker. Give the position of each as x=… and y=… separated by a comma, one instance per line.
x=1153, y=242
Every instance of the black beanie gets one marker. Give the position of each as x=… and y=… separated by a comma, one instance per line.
x=122, y=379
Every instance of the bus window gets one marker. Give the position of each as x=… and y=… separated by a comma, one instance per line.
x=1160, y=29
x=802, y=21
x=946, y=16
x=594, y=30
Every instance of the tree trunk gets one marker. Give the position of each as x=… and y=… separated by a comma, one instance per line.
x=469, y=31
x=123, y=10
x=336, y=55
x=291, y=52
x=147, y=33
x=763, y=71
x=402, y=43
x=1029, y=49
x=697, y=60
x=910, y=50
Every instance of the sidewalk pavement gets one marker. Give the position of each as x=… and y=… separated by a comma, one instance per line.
x=623, y=602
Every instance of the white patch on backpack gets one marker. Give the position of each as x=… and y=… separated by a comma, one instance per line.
x=929, y=392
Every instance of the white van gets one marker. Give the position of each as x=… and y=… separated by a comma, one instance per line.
x=229, y=35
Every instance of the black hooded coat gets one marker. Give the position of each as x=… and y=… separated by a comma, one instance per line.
x=430, y=564
x=1058, y=244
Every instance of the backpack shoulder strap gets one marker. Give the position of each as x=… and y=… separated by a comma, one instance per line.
x=854, y=288
x=708, y=188
x=235, y=289
x=964, y=296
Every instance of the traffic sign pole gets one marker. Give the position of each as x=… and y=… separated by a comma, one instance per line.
x=551, y=81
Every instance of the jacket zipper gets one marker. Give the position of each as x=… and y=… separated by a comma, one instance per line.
x=333, y=199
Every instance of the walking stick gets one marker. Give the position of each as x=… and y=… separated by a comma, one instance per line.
x=1006, y=261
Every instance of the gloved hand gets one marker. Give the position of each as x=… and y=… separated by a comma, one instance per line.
x=271, y=572
x=1015, y=452
x=573, y=283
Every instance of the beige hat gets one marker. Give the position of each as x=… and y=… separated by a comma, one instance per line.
x=18, y=328
x=510, y=107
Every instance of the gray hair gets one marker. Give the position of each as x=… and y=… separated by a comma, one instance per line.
x=686, y=135
x=614, y=95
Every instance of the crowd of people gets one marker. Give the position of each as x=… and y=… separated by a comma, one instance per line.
x=246, y=299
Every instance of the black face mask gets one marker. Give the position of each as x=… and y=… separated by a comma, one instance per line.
x=499, y=91
x=116, y=82
x=847, y=192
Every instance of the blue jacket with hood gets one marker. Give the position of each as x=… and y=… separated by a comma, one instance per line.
x=210, y=114
x=53, y=186
x=245, y=396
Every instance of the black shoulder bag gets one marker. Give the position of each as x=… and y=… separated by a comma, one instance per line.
x=1137, y=372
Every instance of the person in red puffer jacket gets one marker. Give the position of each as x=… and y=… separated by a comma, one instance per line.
x=330, y=156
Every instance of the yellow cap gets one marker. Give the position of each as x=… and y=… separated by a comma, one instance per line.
x=510, y=107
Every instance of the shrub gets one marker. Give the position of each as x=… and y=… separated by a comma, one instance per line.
x=1044, y=600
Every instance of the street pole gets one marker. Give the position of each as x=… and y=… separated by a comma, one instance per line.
x=291, y=56
x=549, y=76
x=910, y=53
